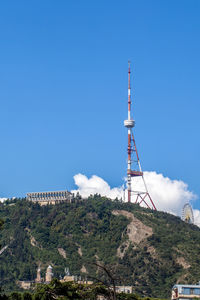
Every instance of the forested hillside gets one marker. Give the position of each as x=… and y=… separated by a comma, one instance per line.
x=147, y=249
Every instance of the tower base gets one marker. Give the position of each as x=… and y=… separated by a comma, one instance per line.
x=144, y=198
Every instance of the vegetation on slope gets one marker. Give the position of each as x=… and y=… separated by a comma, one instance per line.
x=78, y=235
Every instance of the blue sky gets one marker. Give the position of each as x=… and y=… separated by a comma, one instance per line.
x=63, y=94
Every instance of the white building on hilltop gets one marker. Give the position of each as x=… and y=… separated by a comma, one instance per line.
x=44, y=198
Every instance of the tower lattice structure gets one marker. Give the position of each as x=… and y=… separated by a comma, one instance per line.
x=136, y=186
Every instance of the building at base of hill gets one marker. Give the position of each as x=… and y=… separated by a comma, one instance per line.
x=185, y=292
x=77, y=279
x=27, y=285
x=124, y=289
x=119, y=289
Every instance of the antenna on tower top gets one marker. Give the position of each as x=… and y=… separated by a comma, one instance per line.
x=134, y=169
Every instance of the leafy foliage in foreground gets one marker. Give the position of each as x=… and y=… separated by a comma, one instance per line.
x=78, y=235
x=70, y=291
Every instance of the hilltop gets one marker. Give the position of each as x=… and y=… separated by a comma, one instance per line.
x=148, y=249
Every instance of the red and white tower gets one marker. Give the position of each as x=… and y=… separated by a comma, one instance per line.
x=134, y=170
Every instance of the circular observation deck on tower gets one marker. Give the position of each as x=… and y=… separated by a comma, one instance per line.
x=129, y=123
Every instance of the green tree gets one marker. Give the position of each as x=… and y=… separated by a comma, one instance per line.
x=27, y=296
x=15, y=296
x=1, y=225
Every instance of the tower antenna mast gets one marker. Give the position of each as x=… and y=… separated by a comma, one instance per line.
x=134, y=169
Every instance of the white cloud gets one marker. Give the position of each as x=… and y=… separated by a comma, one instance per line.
x=95, y=185
x=168, y=195
x=196, y=214
x=3, y=199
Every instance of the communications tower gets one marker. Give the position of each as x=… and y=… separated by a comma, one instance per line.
x=136, y=186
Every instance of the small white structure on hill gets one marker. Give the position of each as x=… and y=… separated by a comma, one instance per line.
x=49, y=274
